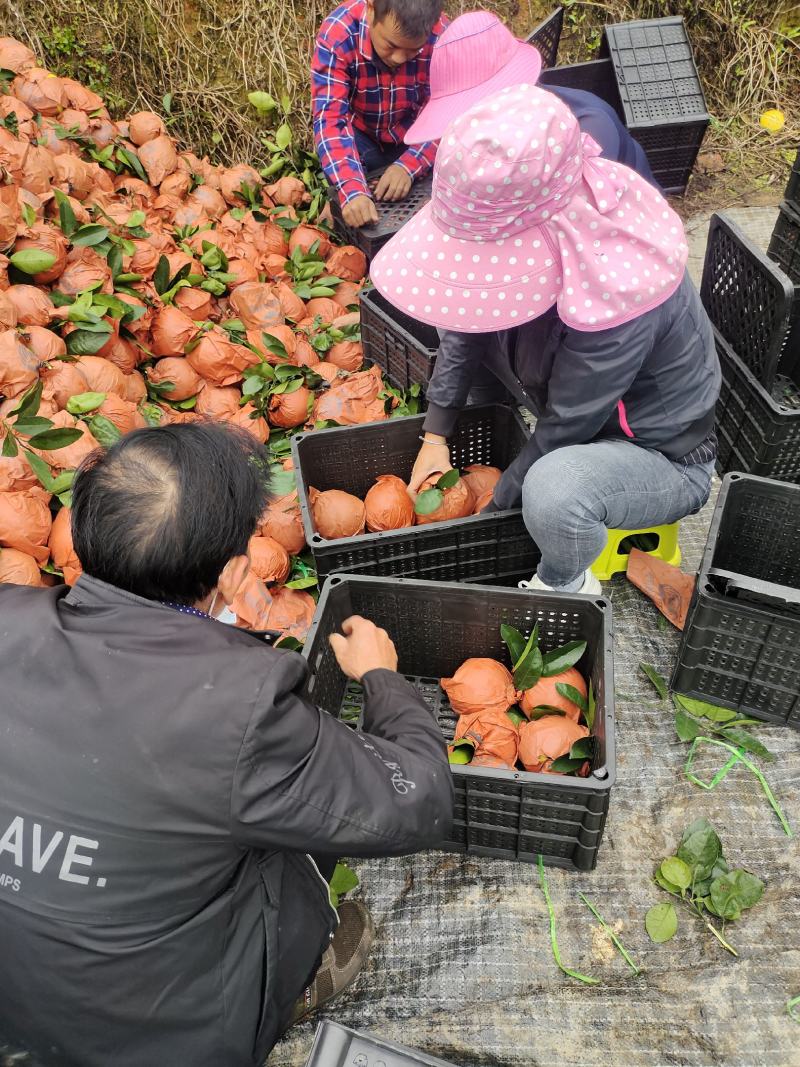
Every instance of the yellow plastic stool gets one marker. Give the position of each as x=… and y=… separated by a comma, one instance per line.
x=611, y=561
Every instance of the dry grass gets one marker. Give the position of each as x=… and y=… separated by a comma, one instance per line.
x=210, y=53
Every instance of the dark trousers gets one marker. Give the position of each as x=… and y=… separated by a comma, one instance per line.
x=376, y=156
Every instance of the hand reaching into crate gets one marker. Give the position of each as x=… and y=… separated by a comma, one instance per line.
x=360, y=211
x=394, y=184
x=363, y=648
x=434, y=456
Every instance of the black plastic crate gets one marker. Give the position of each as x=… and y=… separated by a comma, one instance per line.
x=339, y=1046
x=784, y=246
x=595, y=77
x=403, y=348
x=741, y=644
x=482, y=548
x=748, y=298
x=661, y=95
x=758, y=431
x=392, y=215
x=792, y=193
x=509, y=814
x=546, y=37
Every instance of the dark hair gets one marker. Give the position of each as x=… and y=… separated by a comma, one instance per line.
x=164, y=509
x=416, y=18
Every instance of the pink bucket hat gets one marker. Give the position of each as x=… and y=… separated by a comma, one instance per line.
x=475, y=57
x=524, y=215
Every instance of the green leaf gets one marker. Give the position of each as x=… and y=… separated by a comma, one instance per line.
x=66, y=216
x=658, y=682
x=274, y=346
x=262, y=102
x=29, y=402
x=283, y=136
x=63, y=482
x=566, y=765
x=571, y=693
x=28, y=214
x=700, y=848
x=582, y=749
x=676, y=872
x=560, y=659
x=746, y=741
x=449, y=479
x=136, y=218
x=661, y=922
x=686, y=727
x=41, y=470
x=103, y=430
x=83, y=403
x=516, y=716
x=669, y=886
x=343, y=880
x=528, y=673
x=533, y=640
x=541, y=710
x=705, y=710
x=60, y=437
x=89, y=235
x=252, y=386
x=32, y=260
x=732, y=893
x=129, y=159
x=514, y=641
x=589, y=714
x=303, y=583
x=428, y=501
x=161, y=275
x=10, y=449
x=85, y=342
x=28, y=425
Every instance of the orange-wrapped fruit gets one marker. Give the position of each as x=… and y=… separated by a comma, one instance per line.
x=480, y=685
x=337, y=514
x=545, y=694
x=547, y=739
x=388, y=505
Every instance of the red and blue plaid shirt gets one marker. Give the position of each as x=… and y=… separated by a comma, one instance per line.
x=351, y=88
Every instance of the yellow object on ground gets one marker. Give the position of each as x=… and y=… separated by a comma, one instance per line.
x=614, y=557
x=772, y=120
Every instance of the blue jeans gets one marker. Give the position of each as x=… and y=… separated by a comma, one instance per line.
x=375, y=156
x=571, y=496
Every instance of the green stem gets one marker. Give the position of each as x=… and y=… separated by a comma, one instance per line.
x=791, y=1008
x=553, y=940
x=610, y=933
x=719, y=937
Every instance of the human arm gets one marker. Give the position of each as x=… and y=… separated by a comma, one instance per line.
x=305, y=781
x=591, y=373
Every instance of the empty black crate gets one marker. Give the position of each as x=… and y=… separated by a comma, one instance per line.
x=435, y=627
x=482, y=548
x=748, y=298
x=741, y=644
x=403, y=348
x=758, y=431
x=546, y=37
x=392, y=215
x=595, y=77
x=339, y=1046
x=661, y=94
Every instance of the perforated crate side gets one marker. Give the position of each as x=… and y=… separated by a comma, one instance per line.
x=391, y=216
x=435, y=627
x=671, y=151
x=748, y=298
x=792, y=193
x=784, y=245
x=595, y=77
x=402, y=347
x=546, y=37
x=757, y=433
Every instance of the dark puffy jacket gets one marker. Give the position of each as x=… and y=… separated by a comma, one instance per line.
x=163, y=779
x=653, y=381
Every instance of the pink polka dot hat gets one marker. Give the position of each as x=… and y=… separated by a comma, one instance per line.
x=524, y=215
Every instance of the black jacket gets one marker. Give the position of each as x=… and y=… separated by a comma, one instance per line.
x=162, y=781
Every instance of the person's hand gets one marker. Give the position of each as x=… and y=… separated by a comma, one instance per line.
x=364, y=647
x=394, y=184
x=360, y=211
x=432, y=458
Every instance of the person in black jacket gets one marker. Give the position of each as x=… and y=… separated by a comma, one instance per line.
x=171, y=800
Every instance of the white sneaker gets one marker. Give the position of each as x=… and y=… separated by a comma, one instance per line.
x=591, y=585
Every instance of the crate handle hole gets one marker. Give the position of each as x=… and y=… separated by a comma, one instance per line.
x=335, y=581
x=316, y=539
x=601, y=604
x=600, y=773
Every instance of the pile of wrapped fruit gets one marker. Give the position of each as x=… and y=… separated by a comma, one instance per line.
x=140, y=285
x=538, y=716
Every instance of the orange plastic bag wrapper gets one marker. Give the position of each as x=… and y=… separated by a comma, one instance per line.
x=290, y=611
x=257, y=307
x=176, y=184
x=70, y=456
x=337, y=514
x=291, y=305
x=348, y=263
x=63, y=380
x=123, y=354
x=480, y=685
x=247, y=418
x=159, y=158
x=10, y=215
x=242, y=271
x=172, y=331
x=304, y=355
x=19, y=367
x=547, y=739
x=25, y=522
x=667, y=586
x=144, y=260
x=324, y=308
x=44, y=344
x=457, y=501
x=220, y=361
x=352, y=400
x=79, y=96
x=388, y=505
x=74, y=176
x=283, y=521
x=144, y=126
x=124, y=414
x=196, y=303
x=495, y=736
x=269, y=560
x=287, y=410
x=39, y=171
x=16, y=474
x=45, y=238
x=348, y=355
x=62, y=551
x=483, y=501
x=480, y=478
x=304, y=237
x=135, y=388
x=40, y=90
x=231, y=180
x=283, y=334
x=287, y=191
x=327, y=371
x=545, y=693
x=33, y=306
x=8, y=313
x=347, y=294
x=15, y=56
x=19, y=568
x=142, y=325
x=101, y=375
x=85, y=269
x=218, y=402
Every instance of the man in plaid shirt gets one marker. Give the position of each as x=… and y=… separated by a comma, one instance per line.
x=369, y=81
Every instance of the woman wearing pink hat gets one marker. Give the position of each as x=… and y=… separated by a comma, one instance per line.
x=564, y=273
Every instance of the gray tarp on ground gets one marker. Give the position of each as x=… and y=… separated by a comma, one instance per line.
x=462, y=965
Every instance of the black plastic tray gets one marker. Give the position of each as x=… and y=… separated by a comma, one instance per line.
x=747, y=297
x=741, y=644
x=661, y=95
x=339, y=1046
x=403, y=348
x=546, y=37
x=483, y=548
x=391, y=216
x=435, y=626
x=595, y=77
x=792, y=193
x=784, y=245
